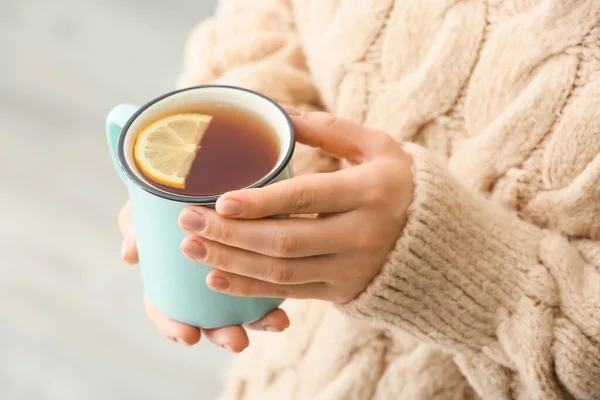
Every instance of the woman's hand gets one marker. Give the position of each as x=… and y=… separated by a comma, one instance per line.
x=233, y=338
x=361, y=212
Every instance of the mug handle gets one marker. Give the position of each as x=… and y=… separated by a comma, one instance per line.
x=115, y=121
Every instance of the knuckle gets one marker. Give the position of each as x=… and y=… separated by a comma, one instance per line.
x=218, y=259
x=281, y=292
x=283, y=245
x=226, y=233
x=220, y=231
x=279, y=272
x=248, y=288
x=302, y=201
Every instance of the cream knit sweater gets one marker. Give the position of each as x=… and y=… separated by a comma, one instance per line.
x=493, y=289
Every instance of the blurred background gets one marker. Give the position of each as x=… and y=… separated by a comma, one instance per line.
x=72, y=324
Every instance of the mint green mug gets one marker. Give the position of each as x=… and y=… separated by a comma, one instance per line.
x=175, y=284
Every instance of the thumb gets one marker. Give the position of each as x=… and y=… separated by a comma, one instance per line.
x=337, y=136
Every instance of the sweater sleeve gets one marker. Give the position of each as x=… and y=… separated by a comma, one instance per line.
x=254, y=44
x=518, y=306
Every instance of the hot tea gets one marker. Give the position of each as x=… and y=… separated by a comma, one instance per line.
x=230, y=148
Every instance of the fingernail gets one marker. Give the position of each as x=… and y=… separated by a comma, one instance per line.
x=125, y=247
x=229, y=207
x=218, y=283
x=193, y=249
x=226, y=347
x=183, y=342
x=193, y=220
x=291, y=111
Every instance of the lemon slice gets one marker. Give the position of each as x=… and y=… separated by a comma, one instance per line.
x=165, y=150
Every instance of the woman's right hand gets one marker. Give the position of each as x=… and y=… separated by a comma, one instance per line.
x=232, y=338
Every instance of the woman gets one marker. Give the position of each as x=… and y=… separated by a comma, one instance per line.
x=457, y=251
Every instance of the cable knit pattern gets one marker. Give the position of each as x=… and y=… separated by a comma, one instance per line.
x=471, y=276
x=493, y=288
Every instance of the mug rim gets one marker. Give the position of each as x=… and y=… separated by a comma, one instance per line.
x=201, y=200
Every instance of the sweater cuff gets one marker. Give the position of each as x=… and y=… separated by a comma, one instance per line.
x=461, y=260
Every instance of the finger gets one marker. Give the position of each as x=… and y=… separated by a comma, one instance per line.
x=129, y=252
x=275, y=321
x=236, y=285
x=126, y=221
x=285, y=238
x=340, y=137
x=306, y=194
x=170, y=328
x=289, y=271
x=232, y=338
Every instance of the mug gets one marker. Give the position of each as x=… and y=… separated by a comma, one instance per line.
x=175, y=284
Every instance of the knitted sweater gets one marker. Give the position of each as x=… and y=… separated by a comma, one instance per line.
x=493, y=288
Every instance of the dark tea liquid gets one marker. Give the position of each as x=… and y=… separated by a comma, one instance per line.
x=237, y=150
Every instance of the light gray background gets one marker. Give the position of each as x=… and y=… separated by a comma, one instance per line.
x=72, y=325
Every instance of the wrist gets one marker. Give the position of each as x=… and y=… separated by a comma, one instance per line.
x=448, y=275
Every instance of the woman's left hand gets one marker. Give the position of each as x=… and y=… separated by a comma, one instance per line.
x=361, y=212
